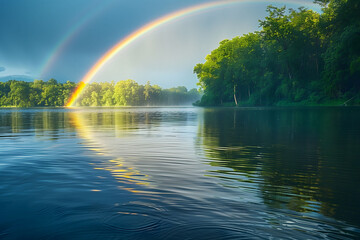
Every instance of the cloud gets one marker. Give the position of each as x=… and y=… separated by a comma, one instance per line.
x=2, y=69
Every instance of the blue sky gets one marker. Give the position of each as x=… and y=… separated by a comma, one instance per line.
x=31, y=31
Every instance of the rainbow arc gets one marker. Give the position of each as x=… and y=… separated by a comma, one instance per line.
x=150, y=26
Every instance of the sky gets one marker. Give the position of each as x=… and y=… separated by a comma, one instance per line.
x=62, y=39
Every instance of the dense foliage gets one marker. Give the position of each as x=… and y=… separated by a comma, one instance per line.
x=130, y=93
x=299, y=57
x=123, y=93
x=36, y=93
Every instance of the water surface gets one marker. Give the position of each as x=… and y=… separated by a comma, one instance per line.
x=180, y=173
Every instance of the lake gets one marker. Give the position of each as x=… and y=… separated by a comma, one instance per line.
x=180, y=173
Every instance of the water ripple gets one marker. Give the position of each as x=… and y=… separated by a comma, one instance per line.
x=134, y=216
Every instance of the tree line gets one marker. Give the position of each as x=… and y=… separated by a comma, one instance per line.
x=298, y=57
x=123, y=93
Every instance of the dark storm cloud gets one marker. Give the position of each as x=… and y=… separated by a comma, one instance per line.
x=31, y=30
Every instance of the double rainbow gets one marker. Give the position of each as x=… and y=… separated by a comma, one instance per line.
x=85, y=19
x=148, y=27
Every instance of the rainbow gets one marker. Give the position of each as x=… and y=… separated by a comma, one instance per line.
x=89, y=14
x=150, y=26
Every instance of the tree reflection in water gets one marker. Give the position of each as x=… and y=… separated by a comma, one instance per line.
x=305, y=159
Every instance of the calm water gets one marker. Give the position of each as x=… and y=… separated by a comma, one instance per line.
x=180, y=173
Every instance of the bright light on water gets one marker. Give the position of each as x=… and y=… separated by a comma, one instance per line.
x=180, y=173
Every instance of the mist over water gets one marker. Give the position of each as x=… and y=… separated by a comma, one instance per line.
x=177, y=173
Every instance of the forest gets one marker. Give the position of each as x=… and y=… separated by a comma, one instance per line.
x=299, y=57
x=122, y=93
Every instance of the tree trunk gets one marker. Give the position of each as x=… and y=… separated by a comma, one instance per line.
x=288, y=68
x=236, y=103
x=290, y=77
x=249, y=91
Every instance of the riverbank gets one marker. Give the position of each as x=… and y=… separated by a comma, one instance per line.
x=328, y=103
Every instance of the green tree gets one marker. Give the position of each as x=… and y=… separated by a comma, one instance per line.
x=126, y=93
x=19, y=94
